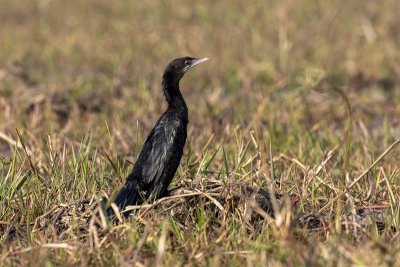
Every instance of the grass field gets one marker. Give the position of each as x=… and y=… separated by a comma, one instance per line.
x=299, y=97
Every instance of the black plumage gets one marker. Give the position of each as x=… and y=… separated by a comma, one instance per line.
x=162, y=151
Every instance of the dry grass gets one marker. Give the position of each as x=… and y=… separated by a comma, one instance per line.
x=299, y=97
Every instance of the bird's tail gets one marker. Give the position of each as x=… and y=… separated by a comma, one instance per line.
x=128, y=195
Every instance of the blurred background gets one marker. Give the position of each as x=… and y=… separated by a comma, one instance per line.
x=70, y=66
x=312, y=84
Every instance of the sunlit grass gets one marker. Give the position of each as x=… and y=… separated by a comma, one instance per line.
x=301, y=95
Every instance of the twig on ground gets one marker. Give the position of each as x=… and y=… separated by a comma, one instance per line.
x=390, y=148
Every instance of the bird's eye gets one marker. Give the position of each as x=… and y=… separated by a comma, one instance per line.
x=187, y=62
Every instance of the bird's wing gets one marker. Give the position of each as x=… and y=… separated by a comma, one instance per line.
x=157, y=150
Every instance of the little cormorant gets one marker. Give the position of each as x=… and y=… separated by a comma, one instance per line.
x=162, y=151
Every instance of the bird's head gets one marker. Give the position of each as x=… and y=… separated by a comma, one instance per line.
x=179, y=66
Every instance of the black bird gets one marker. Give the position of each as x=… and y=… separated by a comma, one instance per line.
x=162, y=151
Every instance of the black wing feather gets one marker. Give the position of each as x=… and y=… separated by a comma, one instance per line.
x=157, y=162
x=156, y=151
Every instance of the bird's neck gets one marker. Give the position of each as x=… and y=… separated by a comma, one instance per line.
x=174, y=97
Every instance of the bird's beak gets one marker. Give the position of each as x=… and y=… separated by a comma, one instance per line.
x=198, y=61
